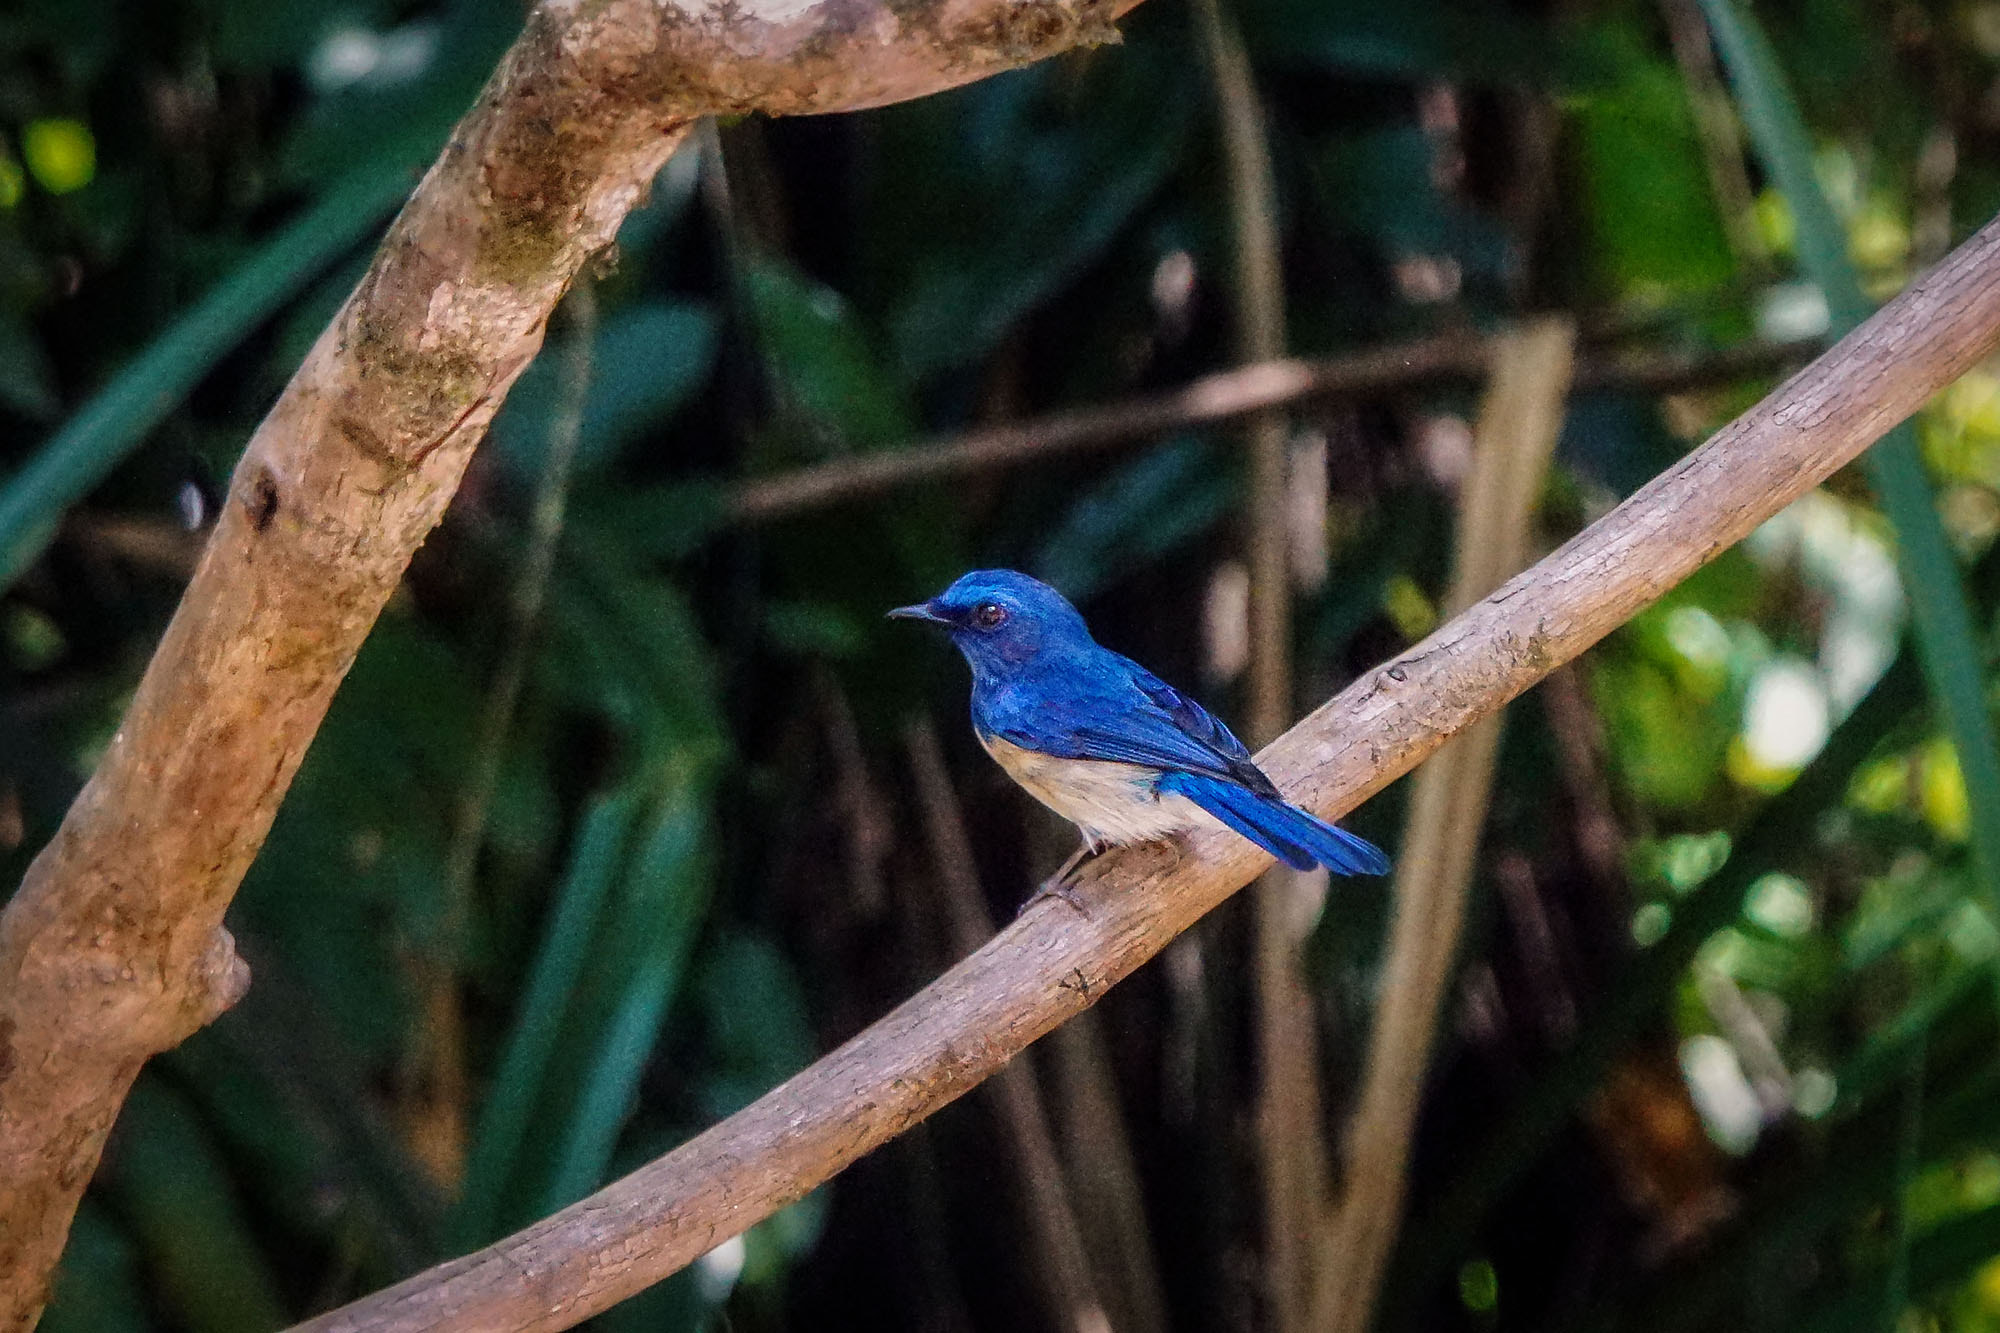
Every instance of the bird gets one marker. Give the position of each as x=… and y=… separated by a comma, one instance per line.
x=1107, y=744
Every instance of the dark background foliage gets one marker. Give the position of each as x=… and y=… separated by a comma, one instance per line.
x=1721, y=1050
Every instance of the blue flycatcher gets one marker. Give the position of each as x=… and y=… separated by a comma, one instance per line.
x=1104, y=742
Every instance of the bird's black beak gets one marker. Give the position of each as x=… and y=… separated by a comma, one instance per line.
x=921, y=611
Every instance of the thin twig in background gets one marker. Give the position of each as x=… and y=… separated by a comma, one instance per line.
x=1746, y=1030
x=1535, y=127
x=1291, y=1151
x=170, y=549
x=1602, y=910
x=1930, y=214
x=1223, y=396
x=114, y=949
x=1580, y=752
x=1104, y=1177
x=161, y=545
x=1514, y=439
x=1909, y=1159
x=1059, y=1260
x=1260, y=338
x=437, y=1109
x=1550, y=1004
x=1719, y=132
x=864, y=810
x=1054, y=962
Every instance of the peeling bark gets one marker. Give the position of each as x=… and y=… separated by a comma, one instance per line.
x=113, y=948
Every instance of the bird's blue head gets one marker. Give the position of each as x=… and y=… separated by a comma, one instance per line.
x=1004, y=622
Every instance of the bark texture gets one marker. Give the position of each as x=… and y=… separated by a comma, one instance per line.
x=1054, y=962
x=113, y=949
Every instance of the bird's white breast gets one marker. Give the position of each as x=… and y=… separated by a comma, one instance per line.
x=1109, y=802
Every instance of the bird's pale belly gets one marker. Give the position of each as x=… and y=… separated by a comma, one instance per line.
x=1110, y=803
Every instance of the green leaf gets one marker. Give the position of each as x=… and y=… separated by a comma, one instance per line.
x=121, y=414
x=615, y=954
x=1134, y=515
x=99, y=1288
x=1943, y=1256
x=27, y=381
x=1949, y=647
x=647, y=361
x=265, y=33
x=1018, y=194
x=1647, y=197
x=500, y=1139
x=375, y=119
x=821, y=360
x=1470, y=39
x=347, y=857
x=756, y=1020
x=275, y=1082
x=625, y=645
x=1384, y=184
x=657, y=522
x=642, y=962
x=169, y=1179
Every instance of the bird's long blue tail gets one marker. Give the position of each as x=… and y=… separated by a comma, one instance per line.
x=1299, y=839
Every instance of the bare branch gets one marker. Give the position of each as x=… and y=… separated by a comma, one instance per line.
x=1054, y=962
x=1223, y=396
x=1260, y=337
x=1519, y=420
x=113, y=949
x=1720, y=134
x=1104, y=1176
x=1291, y=1148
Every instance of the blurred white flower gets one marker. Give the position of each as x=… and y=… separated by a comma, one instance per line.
x=1722, y=1094
x=1785, y=716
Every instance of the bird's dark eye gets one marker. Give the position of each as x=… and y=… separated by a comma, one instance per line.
x=988, y=615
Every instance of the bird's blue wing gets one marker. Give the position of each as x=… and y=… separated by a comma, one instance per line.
x=1166, y=729
x=1123, y=713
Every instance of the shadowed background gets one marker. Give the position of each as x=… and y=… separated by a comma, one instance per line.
x=633, y=805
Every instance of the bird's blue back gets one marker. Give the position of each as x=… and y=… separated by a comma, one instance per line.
x=1043, y=686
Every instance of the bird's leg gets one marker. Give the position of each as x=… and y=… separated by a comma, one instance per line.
x=1076, y=858
x=1062, y=884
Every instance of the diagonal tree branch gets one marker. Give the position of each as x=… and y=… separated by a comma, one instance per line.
x=1054, y=962
x=113, y=948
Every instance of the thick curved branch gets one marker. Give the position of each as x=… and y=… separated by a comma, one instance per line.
x=1054, y=962
x=113, y=949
